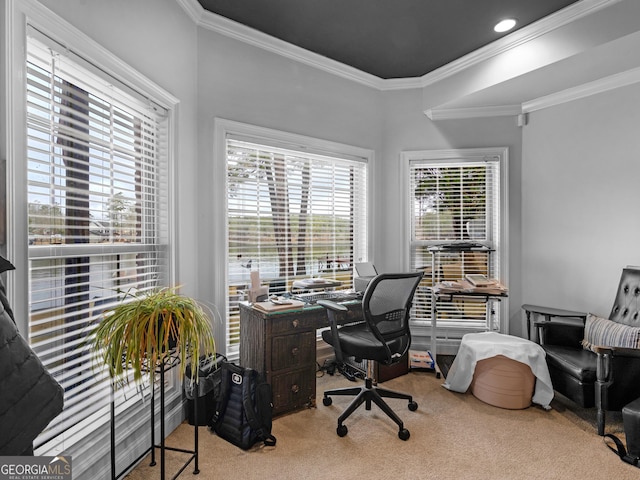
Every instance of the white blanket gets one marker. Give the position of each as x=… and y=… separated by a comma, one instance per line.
x=478, y=346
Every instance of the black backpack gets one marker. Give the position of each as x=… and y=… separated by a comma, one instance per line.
x=244, y=408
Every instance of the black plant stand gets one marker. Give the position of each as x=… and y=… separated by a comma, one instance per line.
x=161, y=369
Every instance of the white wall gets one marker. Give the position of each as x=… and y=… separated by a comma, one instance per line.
x=580, y=216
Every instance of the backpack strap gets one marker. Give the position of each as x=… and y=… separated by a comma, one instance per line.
x=223, y=399
x=249, y=408
x=620, y=450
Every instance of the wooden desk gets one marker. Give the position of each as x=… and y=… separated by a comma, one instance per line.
x=282, y=346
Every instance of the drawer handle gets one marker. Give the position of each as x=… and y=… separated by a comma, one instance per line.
x=295, y=323
x=295, y=388
x=295, y=351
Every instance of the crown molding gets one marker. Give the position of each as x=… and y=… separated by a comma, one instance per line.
x=253, y=37
x=248, y=35
x=520, y=37
x=472, y=112
x=193, y=9
x=595, y=87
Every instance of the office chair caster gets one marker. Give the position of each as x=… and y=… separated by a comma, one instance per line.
x=342, y=430
x=404, y=434
x=413, y=406
x=326, y=401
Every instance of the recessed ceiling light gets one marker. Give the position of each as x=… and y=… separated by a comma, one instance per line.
x=505, y=25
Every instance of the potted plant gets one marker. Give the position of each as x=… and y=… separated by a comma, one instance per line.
x=144, y=329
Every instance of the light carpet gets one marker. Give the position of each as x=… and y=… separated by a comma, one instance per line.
x=453, y=436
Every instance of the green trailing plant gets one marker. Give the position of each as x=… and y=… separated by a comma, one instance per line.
x=146, y=328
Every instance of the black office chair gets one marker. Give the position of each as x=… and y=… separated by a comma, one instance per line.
x=382, y=337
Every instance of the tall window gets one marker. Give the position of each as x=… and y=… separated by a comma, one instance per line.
x=455, y=198
x=291, y=214
x=97, y=216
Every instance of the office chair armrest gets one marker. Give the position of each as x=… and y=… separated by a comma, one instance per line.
x=333, y=306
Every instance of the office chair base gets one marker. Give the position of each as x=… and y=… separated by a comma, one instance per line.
x=368, y=394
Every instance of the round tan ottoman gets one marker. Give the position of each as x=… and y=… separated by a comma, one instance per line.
x=503, y=382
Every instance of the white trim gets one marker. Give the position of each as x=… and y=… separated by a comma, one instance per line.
x=316, y=144
x=15, y=129
x=526, y=34
x=237, y=31
x=601, y=85
x=473, y=112
x=194, y=10
x=47, y=22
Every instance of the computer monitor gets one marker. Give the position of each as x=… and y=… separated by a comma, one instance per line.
x=365, y=271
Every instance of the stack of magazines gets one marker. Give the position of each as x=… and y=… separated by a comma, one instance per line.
x=473, y=283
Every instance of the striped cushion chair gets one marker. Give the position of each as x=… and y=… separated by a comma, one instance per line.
x=597, y=362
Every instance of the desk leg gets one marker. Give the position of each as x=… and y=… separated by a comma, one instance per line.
x=491, y=315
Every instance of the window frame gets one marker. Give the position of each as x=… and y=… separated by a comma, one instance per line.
x=224, y=128
x=421, y=329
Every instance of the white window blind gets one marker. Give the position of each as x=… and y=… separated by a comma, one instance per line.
x=97, y=192
x=455, y=201
x=291, y=215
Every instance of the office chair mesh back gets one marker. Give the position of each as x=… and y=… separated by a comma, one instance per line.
x=387, y=303
x=384, y=337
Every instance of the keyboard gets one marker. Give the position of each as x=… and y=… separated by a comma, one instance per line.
x=337, y=296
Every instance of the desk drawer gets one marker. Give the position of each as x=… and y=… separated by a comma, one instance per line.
x=294, y=390
x=292, y=324
x=293, y=351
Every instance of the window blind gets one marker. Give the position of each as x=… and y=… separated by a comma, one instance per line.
x=97, y=216
x=455, y=201
x=291, y=215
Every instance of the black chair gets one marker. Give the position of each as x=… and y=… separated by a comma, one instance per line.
x=382, y=337
x=607, y=377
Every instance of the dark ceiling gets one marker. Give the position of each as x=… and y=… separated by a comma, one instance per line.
x=386, y=38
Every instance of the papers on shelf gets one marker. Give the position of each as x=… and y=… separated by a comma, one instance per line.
x=278, y=307
x=465, y=286
x=480, y=280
